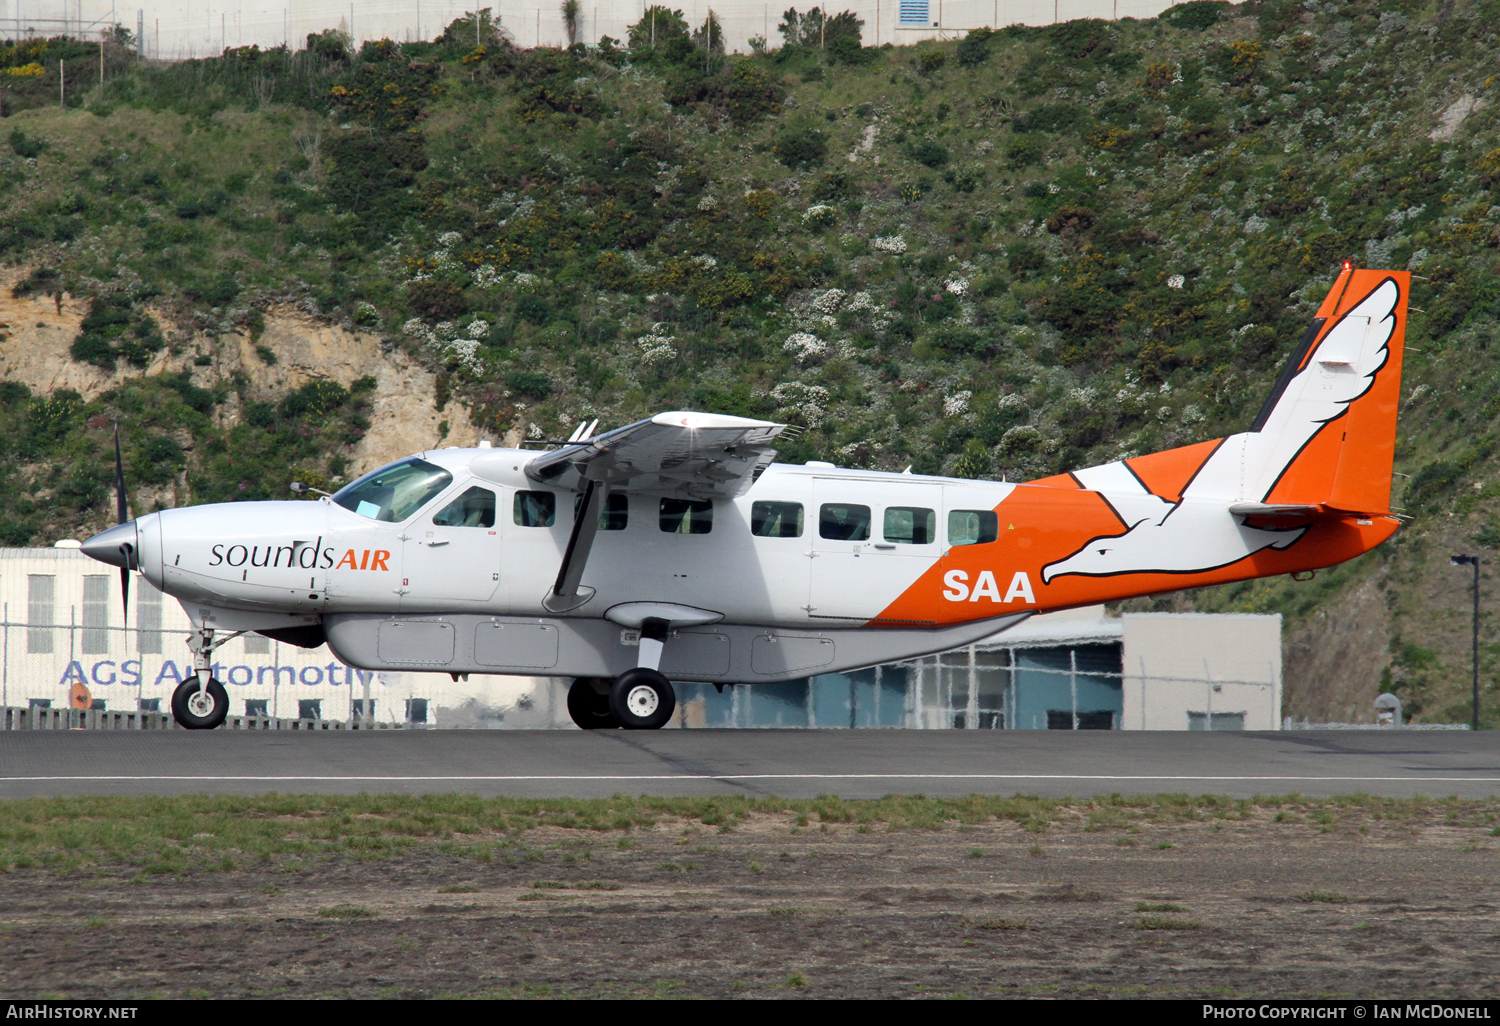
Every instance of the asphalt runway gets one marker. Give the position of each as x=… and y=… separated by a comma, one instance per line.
x=788, y=763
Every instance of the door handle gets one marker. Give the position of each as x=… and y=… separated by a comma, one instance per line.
x=883, y=545
x=435, y=544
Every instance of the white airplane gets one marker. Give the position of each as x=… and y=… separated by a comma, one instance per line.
x=676, y=549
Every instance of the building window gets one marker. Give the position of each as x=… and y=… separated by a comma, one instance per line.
x=1062, y=719
x=41, y=590
x=95, y=639
x=844, y=521
x=914, y=12
x=39, y=703
x=776, y=519
x=256, y=706
x=257, y=644
x=416, y=710
x=686, y=516
x=147, y=618
x=535, y=509
x=309, y=708
x=152, y=705
x=1221, y=721
x=359, y=708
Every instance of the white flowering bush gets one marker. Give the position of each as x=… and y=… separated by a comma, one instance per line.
x=366, y=314
x=706, y=262
x=523, y=280
x=486, y=277
x=805, y=346
x=957, y=404
x=1176, y=281
x=819, y=216
x=859, y=301
x=829, y=302
x=957, y=286
x=795, y=397
x=889, y=244
x=443, y=339
x=478, y=329
x=1256, y=224
x=707, y=203
x=655, y=348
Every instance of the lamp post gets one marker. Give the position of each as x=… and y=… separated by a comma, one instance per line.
x=1474, y=562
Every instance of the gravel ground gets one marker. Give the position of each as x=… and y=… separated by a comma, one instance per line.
x=1310, y=904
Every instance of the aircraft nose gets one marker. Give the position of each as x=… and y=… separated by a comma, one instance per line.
x=111, y=546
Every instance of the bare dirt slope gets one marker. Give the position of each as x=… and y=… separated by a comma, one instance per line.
x=404, y=417
x=1274, y=902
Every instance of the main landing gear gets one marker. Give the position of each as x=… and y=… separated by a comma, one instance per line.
x=200, y=702
x=641, y=698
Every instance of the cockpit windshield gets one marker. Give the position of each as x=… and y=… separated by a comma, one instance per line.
x=395, y=492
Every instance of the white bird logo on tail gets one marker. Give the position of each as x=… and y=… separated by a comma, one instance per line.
x=1202, y=531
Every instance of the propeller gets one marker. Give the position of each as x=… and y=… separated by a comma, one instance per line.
x=121, y=516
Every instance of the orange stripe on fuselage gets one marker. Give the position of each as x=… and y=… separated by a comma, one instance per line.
x=1041, y=525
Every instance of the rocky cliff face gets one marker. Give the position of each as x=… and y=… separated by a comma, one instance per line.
x=405, y=416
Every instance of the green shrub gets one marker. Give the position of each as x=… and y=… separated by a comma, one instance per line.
x=975, y=47
x=800, y=148
x=529, y=384
x=24, y=146
x=1194, y=16
x=929, y=152
x=113, y=330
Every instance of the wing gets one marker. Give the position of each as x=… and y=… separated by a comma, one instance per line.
x=681, y=454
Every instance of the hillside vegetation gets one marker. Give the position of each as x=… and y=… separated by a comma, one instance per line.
x=1017, y=253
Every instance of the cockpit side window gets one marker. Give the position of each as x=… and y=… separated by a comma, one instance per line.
x=474, y=508
x=393, y=493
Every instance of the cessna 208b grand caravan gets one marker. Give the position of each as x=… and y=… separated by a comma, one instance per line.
x=675, y=549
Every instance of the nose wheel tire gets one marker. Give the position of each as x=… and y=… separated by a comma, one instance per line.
x=199, y=709
x=642, y=699
x=589, y=708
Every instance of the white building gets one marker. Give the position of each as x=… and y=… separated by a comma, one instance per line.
x=62, y=625
x=179, y=30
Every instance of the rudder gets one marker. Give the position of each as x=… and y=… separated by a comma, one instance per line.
x=1327, y=433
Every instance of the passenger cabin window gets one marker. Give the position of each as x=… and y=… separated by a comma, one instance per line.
x=613, y=515
x=844, y=521
x=395, y=492
x=474, y=508
x=972, y=526
x=535, y=509
x=910, y=525
x=686, y=516
x=776, y=519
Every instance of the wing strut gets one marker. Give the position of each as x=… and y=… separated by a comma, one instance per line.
x=566, y=593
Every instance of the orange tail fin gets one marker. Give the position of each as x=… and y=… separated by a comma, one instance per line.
x=1336, y=400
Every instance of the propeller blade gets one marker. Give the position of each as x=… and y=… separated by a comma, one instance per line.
x=120, y=516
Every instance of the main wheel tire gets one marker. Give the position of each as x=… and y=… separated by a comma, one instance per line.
x=642, y=699
x=589, y=709
x=200, y=709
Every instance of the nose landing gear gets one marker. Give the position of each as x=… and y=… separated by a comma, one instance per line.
x=200, y=702
x=200, y=708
